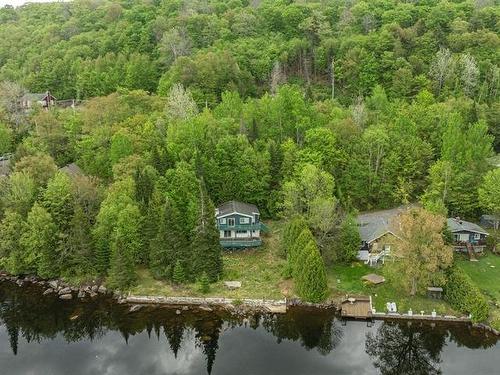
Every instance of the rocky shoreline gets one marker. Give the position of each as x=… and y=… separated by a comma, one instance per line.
x=240, y=307
x=58, y=287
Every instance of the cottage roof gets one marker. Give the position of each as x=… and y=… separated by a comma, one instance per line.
x=487, y=217
x=72, y=170
x=459, y=225
x=237, y=207
x=4, y=167
x=373, y=225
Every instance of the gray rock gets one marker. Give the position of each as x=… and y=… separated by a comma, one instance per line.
x=178, y=312
x=53, y=284
x=205, y=308
x=95, y=288
x=134, y=308
x=48, y=291
x=81, y=294
x=93, y=294
x=66, y=296
x=66, y=290
x=185, y=308
x=102, y=289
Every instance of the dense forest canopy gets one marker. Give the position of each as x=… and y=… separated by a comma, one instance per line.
x=314, y=108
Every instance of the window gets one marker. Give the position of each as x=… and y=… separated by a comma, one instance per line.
x=227, y=234
x=222, y=221
x=477, y=236
x=230, y=221
x=244, y=220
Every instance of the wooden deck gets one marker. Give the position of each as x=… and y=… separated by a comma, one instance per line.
x=357, y=307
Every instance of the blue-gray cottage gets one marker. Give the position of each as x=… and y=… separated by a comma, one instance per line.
x=239, y=225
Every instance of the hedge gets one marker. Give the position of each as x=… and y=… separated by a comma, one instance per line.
x=464, y=296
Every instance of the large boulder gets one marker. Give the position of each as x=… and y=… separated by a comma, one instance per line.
x=66, y=290
x=66, y=296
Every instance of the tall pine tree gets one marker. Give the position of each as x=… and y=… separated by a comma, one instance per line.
x=206, y=249
x=169, y=245
x=126, y=242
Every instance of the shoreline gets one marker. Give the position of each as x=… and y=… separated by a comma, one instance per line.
x=65, y=291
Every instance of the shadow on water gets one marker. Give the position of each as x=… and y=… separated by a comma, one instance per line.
x=392, y=348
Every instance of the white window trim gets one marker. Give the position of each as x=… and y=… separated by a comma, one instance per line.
x=477, y=236
x=244, y=220
x=229, y=221
x=222, y=221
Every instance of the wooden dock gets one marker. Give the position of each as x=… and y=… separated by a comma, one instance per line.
x=356, y=307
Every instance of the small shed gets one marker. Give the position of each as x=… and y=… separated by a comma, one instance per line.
x=435, y=292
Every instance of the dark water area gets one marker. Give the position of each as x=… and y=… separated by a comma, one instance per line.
x=43, y=335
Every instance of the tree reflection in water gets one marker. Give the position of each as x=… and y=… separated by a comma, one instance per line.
x=399, y=349
x=26, y=312
x=394, y=349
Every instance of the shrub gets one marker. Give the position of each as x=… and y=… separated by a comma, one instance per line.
x=464, y=296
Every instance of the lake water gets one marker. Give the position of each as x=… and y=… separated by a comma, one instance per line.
x=44, y=336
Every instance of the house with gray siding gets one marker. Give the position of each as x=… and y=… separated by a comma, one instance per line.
x=467, y=234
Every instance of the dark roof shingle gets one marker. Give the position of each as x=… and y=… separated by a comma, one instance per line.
x=238, y=207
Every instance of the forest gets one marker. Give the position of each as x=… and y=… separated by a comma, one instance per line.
x=311, y=108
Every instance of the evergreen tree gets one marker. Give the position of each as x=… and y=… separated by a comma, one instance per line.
x=120, y=194
x=311, y=280
x=292, y=231
x=78, y=256
x=178, y=275
x=204, y=283
x=39, y=243
x=206, y=249
x=169, y=245
x=295, y=259
x=125, y=244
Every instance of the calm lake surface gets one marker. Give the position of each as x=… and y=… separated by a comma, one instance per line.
x=42, y=335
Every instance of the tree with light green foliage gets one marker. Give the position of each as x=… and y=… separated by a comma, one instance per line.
x=58, y=200
x=11, y=252
x=39, y=243
x=489, y=194
x=349, y=241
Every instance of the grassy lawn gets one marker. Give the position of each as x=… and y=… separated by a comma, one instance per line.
x=259, y=271
x=486, y=275
x=347, y=279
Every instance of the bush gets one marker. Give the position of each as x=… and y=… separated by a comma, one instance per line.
x=464, y=296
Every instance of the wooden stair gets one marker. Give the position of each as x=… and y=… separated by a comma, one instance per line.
x=471, y=252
